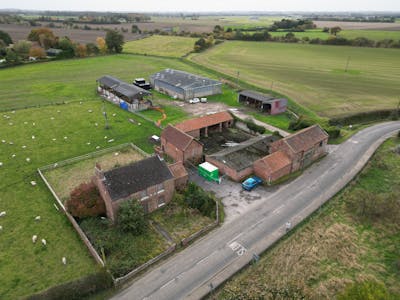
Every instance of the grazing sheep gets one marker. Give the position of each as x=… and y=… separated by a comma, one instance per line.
x=28, y=159
x=44, y=242
x=1, y=227
x=64, y=260
x=2, y=214
x=34, y=238
x=33, y=182
x=1, y=164
x=37, y=218
x=33, y=137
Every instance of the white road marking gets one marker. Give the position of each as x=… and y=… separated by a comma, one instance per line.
x=235, y=238
x=167, y=284
x=278, y=209
x=238, y=248
x=200, y=261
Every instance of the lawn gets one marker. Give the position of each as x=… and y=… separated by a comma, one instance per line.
x=158, y=45
x=174, y=114
x=75, y=79
x=25, y=267
x=314, y=75
x=336, y=246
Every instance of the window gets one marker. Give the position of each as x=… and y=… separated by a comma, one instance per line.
x=161, y=201
x=160, y=188
x=143, y=195
x=321, y=143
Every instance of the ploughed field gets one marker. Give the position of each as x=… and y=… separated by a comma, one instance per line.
x=314, y=75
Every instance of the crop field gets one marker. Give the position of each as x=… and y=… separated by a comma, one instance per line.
x=358, y=25
x=33, y=138
x=314, y=75
x=21, y=32
x=337, y=247
x=161, y=46
x=75, y=79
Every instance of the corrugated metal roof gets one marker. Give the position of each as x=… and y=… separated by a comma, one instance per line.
x=205, y=121
x=126, y=89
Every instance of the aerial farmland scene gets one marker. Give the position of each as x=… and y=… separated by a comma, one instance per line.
x=200, y=150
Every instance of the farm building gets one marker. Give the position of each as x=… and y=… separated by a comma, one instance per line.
x=265, y=103
x=201, y=126
x=237, y=161
x=273, y=166
x=127, y=96
x=303, y=147
x=180, y=146
x=150, y=181
x=183, y=85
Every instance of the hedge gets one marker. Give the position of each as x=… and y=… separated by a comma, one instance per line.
x=77, y=289
x=365, y=117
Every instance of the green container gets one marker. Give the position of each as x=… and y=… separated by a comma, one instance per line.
x=208, y=171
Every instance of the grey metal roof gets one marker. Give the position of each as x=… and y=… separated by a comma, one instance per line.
x=258, y=96
x=125, y=181
x=183, y=79
x=121, y=87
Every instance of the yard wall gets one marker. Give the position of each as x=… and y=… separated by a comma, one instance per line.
x=226, y=170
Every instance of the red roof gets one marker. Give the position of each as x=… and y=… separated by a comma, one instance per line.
x=201, y=122
x=178, y=170
x=306, y=138
x=275, y=161
x=176, y=137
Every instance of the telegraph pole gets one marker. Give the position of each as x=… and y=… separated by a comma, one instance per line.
x=347, y=63
x=105, y=116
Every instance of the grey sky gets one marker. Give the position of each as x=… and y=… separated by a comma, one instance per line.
x=205, y=5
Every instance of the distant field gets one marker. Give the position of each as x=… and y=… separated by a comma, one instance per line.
x=349, y=34
x=161, y=46
x=314, y=75
x=358, y=25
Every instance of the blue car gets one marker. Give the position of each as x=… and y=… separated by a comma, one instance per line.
x=251, y=182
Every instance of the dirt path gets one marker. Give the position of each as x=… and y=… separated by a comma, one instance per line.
x=164, y=115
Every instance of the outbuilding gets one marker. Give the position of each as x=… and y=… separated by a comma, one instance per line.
x=266, y=103
x=183, y=85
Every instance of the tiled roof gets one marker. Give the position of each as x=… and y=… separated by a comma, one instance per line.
x=275, y=161
x=205, y=121
x=125, y=181
x=306, y=138
x=176, y=137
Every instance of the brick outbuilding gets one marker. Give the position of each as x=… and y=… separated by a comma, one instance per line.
x=180, y=146
x=273, y=166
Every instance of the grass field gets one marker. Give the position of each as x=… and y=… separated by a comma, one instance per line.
x=161, y=46
x=375, y=35
x=25, y=267
x=314, y=75
x=335, y=248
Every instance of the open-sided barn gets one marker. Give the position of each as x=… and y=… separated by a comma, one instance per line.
x=265, y=103
x=183, y=85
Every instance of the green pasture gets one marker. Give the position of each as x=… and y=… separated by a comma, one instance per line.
x=159, y=45
x=25, y=267
x=314, y=75
x=375, y=35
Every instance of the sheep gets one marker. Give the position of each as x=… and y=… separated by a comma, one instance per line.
x=111, y=140
x=37, y=218
x=34, y=238
x=65, y=137
x=2, y=214
x=28, y=159
x=44, y=243
x=33, y=183
x=1, y=227
x=33, y=137
x=1, y=164
x=13, y=155
x=64, y=260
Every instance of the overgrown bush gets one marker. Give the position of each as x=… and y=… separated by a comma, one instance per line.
x=195, y=197
x=334, y=132
x=77, y=289
x=364, y=117
x=131, y=217
x=85, y=201
x=300, y=123
x=254, y=127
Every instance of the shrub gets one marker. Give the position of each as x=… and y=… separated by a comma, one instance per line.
x=254, y=127
x=334, y=132
x=300, y=123
x=77, y=289
x=364, y=117
x=85, y=201
x=131, y=217
x=195, y=197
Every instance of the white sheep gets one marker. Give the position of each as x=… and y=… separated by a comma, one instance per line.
x=2, y=214
x=28, y=159
x=1, y=164
x=33, y=137
x=37, y=218
x=34, y=238
x=33, y=183
x=1, y=227
x=44, y=242
x=64, y=260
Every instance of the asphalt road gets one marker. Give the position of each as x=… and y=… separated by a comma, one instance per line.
x=208, y=262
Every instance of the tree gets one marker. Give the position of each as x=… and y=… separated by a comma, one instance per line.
x=44, y=36
x=101, y=44
x=81, y=50
x=135, y=29
x=37, y=52
x=12, y=57
x=22, y=48
x=114, y=41
x=85, y=201
x=67, y=47
x=92, y=49
x=5, y=37
x=335, y=30
x=131, y=217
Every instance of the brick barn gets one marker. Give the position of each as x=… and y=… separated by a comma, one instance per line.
x=183, y=85
x=180, y=146
x=273, y=166
x=201, y=126
x=149, y=181
x=265, y=103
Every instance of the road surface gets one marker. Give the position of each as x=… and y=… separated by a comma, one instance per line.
x=201, y=267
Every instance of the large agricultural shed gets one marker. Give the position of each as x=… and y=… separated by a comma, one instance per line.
x=265, y=103
x=127, y=96
x=183, y=85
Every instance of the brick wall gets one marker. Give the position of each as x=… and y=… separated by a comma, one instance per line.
x=233, y=174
